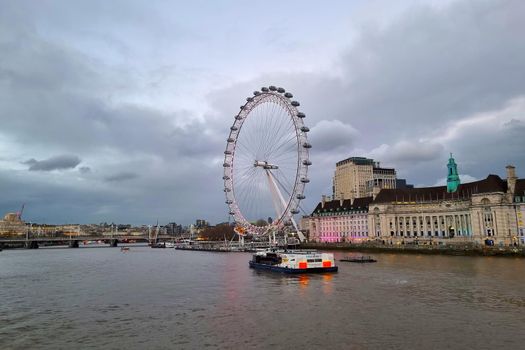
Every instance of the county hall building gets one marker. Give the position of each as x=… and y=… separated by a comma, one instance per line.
x=490, y=211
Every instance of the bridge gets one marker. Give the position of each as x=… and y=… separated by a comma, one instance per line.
x=74, y=241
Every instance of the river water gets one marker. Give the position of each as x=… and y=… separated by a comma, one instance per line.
x=169, y=299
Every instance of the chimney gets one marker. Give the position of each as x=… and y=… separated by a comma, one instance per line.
x=341, y=201
x=323, y=201
x=511, y=179
x=375, y=191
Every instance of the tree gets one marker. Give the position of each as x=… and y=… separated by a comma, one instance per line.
x=217, y=233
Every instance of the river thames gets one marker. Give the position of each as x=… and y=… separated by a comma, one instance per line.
x=84, y=298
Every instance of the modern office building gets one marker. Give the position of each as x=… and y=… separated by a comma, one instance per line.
x=358, y=177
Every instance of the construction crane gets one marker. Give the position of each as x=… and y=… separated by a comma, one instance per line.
x=19, y=214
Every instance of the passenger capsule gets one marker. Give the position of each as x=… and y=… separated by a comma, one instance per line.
x=255, y=93
x=229, y=201
x=272, y=88
x=300, y=196
x=238, y=117
x=226, y=165
x=307, y=162
x=307, y=145
x=301, y=115
x=225, y=177
x=231, y=139
x=305, y=129
x=232, y=213
x=227, y=152
x=305, y=180
x=264, y=89
x=289, y=95
x=234, y=128
x=294, y=211
x=226, y=189
x=295, y=104
x=249, y=99
x=280, y=90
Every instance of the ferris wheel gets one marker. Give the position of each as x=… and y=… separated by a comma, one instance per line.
x=266, y=163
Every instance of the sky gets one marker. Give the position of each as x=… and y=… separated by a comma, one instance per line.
x=118, y=111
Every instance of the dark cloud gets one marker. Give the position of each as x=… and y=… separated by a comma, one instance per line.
x=84, y=170
x=331, y=135
x=124, y=176
x=53, y=163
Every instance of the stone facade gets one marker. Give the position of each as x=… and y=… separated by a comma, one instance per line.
x=487, y=212
x=340, y=221
x=482, y=212
x=12, y=225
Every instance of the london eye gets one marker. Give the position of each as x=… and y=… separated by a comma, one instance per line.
x=266, y=163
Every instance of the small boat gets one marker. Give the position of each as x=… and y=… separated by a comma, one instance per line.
x=124, y=249
x=158, y=245
x=170, y=244
x=359, y=259
x=293, y=261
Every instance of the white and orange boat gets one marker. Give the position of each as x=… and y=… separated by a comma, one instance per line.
x=294, y=261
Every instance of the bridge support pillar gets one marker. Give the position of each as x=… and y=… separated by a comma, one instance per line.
x=31, y=245
x=73, y=244
x=113, y=243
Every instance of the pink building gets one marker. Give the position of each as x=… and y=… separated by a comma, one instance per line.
x=340, y=220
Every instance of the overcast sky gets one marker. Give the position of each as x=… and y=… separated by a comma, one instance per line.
x=119, y=111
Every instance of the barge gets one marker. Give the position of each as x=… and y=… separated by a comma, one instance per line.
x=294, y=261
x=359, y=259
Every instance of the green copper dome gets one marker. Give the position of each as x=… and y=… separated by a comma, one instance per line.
x=453, y=177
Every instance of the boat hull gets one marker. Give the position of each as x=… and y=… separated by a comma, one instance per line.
x=287, y=270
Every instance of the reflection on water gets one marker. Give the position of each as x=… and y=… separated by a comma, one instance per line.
x=162, y=298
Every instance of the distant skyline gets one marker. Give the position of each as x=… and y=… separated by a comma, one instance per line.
x=118, y=111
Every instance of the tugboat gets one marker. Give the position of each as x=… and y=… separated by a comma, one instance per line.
x=294, y=261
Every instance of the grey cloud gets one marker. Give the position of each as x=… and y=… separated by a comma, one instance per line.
x=330, y=135
x=414, y=151
x=53, y=163
x=84, y=170
x=409, y=80
x=395, y=85
x=123, y=176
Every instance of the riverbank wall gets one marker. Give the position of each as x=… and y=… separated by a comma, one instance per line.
x=463, y=249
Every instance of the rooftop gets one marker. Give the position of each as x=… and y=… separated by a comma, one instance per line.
x=357, y=161
x=493, y=183
x=347, y=205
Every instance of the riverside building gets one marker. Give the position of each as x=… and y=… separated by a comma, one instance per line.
x=12, y=225
x=489, y=211
x=340, y=220
x=484, y=212
x=358, y=177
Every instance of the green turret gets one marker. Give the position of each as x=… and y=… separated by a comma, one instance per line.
x=453, y=177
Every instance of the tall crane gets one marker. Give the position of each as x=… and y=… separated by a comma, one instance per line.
x=19, y=214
